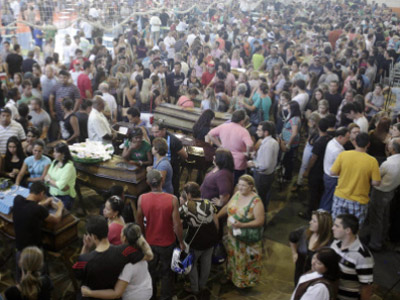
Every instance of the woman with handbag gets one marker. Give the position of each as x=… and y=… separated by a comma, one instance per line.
x=245, y=232
x=199, y=216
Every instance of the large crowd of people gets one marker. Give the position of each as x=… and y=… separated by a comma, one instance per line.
x=303, y=82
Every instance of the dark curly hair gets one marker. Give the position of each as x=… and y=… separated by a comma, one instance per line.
x=20, y=151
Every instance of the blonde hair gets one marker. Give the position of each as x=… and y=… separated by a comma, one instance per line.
x=249, y=180
x=31, y=262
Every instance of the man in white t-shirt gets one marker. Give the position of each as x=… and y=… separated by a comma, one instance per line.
x=9, y=128
x=169, y=42
x=68, y=51
x=302, y=96
x=111, y=104
x=333, y=149
x=13, y=96
x=191, y=37
x=98, y=127
x=87, y=29
x=353, y=111
x=155, y=23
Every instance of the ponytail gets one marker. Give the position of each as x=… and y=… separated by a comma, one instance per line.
x=31, y=262
x=30, y=285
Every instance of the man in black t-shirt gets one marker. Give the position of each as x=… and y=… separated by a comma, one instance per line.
x=14, y=61
x=333, y=97
x=176, y=152
x=164, y=17
x=174, y=80
x=28, y=62
x=99, y=269
x=28, y=215
x=315, y=168
x=83, y=117
x=28, y=218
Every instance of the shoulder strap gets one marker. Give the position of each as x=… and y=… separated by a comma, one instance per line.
x=202, y=221
x=302, y=288
x=246, y=210
x=164, y=158
x=328, y=284
x=248, y=206
x=185, y=102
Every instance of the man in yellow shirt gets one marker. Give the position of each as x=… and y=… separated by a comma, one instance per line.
x=257, y=58
x=357, y=171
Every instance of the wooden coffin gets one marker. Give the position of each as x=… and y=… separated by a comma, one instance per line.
x=183, y=119
x=116, y=171
x=200, y=154
x=54, y=236
x=238, y=71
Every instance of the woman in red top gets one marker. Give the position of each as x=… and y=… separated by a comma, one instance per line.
x=112, y=211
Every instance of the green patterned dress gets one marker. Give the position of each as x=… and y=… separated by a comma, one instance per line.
x=244, y=260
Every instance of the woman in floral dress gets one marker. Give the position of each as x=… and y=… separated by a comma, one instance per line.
x=244, y=259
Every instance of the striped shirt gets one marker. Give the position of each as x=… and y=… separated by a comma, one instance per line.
x=14, y=128
x=356, y=268
x=60, y=92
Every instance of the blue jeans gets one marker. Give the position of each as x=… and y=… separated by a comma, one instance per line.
x=329, y=189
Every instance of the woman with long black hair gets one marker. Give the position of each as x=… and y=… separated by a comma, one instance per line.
x=14, y=158
x=61, y=176
x=203, y=125
x=322, y=281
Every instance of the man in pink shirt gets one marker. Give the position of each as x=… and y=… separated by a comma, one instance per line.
x=234, y=137
x=187, y=102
